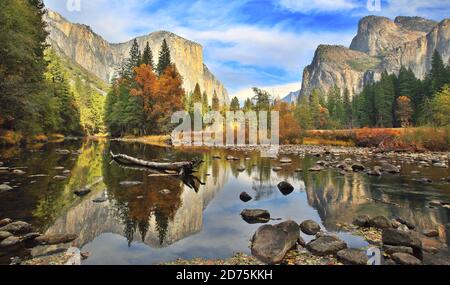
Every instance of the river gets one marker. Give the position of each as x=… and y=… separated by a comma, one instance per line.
x=163, y=218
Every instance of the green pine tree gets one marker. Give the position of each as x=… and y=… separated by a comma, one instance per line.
x=164, y=58
x=347, y=109
x=147, y=56
x=205, y=104
x=234, y=105
x=303, y=113
x=248, y=105
x=134, y=59
x=384, y=101
x=438, y=74
x=215, y=106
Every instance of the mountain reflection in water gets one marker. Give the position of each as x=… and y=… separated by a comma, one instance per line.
x=142, y=224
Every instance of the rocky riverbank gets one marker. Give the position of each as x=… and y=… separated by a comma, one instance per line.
x=19, y=245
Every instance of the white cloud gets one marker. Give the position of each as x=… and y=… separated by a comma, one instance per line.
x=261, y=55
x=308, y=6
x=264, y=48
x=275, y=90
x=435, y=9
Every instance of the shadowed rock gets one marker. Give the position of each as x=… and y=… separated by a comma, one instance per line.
x=271, y=243
x=255, y=216
x=326, y=245
x=285, y=188
x=405, y=259
x=245, y=197
x=352, y=257
x=18, y=227
x=310, y=227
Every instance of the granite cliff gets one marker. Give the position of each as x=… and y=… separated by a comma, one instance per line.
x=88, y=49
x=380, y=45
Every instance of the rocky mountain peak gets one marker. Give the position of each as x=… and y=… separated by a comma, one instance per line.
x=79, y=43
x=415, y=23
x=380, y=45
x=378, y=35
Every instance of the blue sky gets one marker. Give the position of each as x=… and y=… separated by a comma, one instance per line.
x=264, y=43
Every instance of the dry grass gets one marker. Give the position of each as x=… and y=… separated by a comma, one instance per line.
x=411, y=139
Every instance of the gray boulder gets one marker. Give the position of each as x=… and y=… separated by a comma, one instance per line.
x=271, y=243
x=410, y=225
x=391, y=249
x=400, y=238
x=10, y=243
x=245, y=197
x=397, y=237
x=389, y=168
x=285, y=188
x=357, y=167
x=4, y=235
x=380, y=222
x=5, y=188
x=4, y=222
x=310, y=227
x=46, y=250
x=362, y=221
x=405, y=259
x=255, y=216
x=326, y=245
x=50, y=239
x=316, y=168
x=352, y=257
x=18, y=227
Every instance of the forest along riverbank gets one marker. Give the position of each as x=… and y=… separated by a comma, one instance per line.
x=401, y=240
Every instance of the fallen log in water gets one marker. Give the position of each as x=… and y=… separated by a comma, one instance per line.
x=182, y=168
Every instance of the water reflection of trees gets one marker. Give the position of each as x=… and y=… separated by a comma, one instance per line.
x=339, y=199
x=137, y=204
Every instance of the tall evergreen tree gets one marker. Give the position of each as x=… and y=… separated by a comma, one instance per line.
x=347, y=108
x=134, y=59
x=438, y=74
x=408, y=86
x=234, y=105
x=315, y=107
x=303, y=113
x=22, y=65
x=147, y=56
x=215, y=102
x=262, y=100
x=164, y=58
x=205, y=104
x=197, y=94
x=248, y=105
x=384, y=100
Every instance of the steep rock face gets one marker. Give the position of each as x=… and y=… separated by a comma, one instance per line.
x=417, y=54
x=415, y=23
x=337, y=65
x=381, y=44
x=292, y=97
x=378, y=35
x=80, y=44
x=92, y=52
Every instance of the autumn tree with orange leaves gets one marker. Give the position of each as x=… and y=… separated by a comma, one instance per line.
x=404, y=111
x=160, y=96
x=290, y=131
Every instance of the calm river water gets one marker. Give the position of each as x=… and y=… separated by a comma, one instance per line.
x=142, y=224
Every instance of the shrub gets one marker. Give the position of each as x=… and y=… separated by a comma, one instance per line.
x=375, y=137
x=433, y=139
x=10, y=138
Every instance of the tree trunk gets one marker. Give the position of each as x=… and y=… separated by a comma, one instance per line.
x=182, y=168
